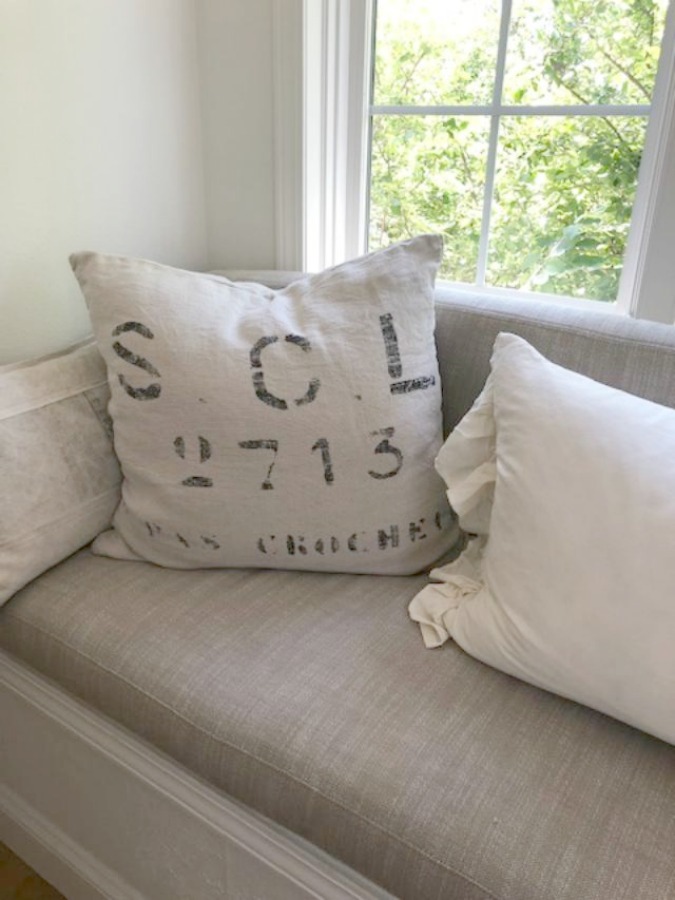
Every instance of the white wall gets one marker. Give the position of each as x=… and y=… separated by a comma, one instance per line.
x=236, y=60
x=100, y=148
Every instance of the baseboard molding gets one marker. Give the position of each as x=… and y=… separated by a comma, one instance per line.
x=97, y=784
x=73, y=871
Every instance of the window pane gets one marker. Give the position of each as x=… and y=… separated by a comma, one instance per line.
x=435, y=52
x=428, y=175
x=583, y=51
x=564, y=190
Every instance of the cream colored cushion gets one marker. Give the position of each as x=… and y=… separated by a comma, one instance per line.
x=289, y=429
x=571, y=584
x=59, y=477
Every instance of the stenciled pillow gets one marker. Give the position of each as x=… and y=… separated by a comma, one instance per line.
x=59, y=476
x=571, y=584
x=290, y=429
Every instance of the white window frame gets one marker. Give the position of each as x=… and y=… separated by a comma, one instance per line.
x=322, y=62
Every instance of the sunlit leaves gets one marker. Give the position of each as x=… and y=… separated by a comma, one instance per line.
x=435, y=52
x=563, y=196
x=583, y=51
x=428, y=176
x=564, y=185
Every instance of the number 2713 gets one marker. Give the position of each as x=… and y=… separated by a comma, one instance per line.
x=390, y=454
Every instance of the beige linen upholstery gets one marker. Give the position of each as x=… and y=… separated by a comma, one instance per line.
x=429, y=772
x=290, y=429
x=570, y=486
x=635, y=356
x=59, y=476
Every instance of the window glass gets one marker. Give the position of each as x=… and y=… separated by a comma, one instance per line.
x=435, y=52
x=428, y=175
x=583, y=51
x=526, y=200
x=564, y=191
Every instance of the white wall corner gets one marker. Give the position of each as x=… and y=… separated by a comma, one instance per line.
x=100, y=150
x=236, y=67
x=287, y=73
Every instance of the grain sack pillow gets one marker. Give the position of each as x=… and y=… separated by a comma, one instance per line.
x=570, y=585
x=290, y=429
x=59, y=477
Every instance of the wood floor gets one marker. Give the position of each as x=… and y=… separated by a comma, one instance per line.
x=18, y=882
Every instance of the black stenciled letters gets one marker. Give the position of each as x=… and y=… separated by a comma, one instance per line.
x=416, y=531
x=204, y=455
x=153, y=390
x=394, y=366
x=266, y=444
x=328, y=474
x=353, y=542
x=269, y=545
x=385, y=447
x=259, y=378
x=391, y=346
x=385, y=539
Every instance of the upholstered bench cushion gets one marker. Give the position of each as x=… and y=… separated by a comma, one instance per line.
x=428, y=772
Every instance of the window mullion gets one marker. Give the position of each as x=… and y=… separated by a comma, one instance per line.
x=491, y=163
x=558, y=109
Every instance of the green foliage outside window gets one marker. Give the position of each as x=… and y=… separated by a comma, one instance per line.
x=564, y=185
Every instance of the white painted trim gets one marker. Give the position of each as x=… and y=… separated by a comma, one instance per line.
x=287, y=70
x=510, y=110
x=493, y=140
x=360, y=50
x=60, y=860
x=284, y=858
x=468, y=290
x=646, y=289
x=336, y=52
x=314, y=135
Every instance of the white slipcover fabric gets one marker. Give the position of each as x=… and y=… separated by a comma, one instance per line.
x=570, y=584
x=59, y=477
x=290, y=429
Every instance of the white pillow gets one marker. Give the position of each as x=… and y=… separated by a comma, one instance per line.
x=571, y=585
x=59, y=477
x=290, y=429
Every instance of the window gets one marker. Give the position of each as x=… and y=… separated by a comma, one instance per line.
x=516, y=128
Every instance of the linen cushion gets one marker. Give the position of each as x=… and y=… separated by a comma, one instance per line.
x=289, y=429
x=430, y=773
x=571, y=485
x=59, y=477
x=631, y=354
